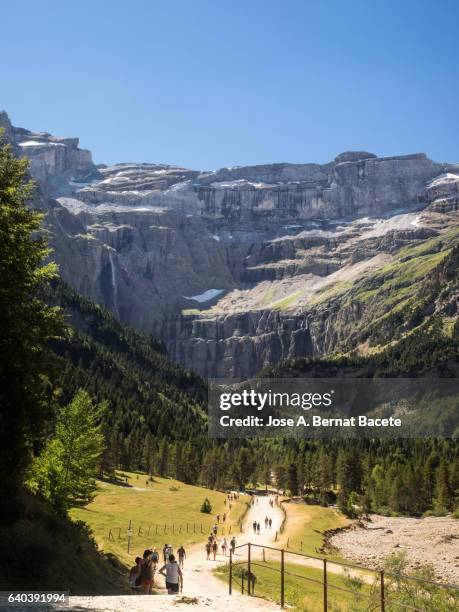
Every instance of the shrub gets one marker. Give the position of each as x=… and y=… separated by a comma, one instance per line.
x=206, y=506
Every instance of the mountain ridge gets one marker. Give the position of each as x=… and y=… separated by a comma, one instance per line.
x=228, y=267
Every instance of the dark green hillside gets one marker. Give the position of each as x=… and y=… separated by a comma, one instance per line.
x=427, y=351
x=148, y=397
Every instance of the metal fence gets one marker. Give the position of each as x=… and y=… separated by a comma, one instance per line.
x=381, y=599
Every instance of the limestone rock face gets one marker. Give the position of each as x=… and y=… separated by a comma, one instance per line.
x=224, y=265
x=235, y=345
x=443, y=191
x=49, y=155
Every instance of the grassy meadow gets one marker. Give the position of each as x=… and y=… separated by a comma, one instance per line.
x=303, y=586
x=162, y=511
x=305, y=524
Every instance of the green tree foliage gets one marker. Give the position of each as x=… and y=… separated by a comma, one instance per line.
x=292, y=478
x=27, y=324
x=206, y=507
x=64, y=473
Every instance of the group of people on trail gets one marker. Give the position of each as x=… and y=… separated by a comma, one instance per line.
x=212, y=546
x=230, y=498
x=142, y=574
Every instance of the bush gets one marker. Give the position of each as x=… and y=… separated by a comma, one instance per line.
x=456, y=514
x=206, y=506
x=435, y=512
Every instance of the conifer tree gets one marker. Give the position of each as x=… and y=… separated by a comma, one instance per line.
x=27, y=324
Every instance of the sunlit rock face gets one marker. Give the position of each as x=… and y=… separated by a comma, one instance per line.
x=226, y=266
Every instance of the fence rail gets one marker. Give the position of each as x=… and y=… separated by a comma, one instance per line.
x=171, y=529
x=378, y=591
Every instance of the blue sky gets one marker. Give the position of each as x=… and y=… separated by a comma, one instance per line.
x=218, y=83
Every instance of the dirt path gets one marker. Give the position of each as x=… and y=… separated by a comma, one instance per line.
x=202, y=589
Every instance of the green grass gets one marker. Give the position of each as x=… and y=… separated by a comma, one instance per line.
x=41, y=550
x=287, y=302
x=305, y=525
x=190, y=311
x=150, y=506
x=329, y=291
x=303, y=591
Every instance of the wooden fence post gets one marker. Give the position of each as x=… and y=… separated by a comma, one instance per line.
x=282, y=593
x=231, y=573
x=383, y=597
x=129, y=536
x=325, y=587
x=249, y=567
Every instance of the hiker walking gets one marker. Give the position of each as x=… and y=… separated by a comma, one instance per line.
x=258, y=528
x=215, y=549
x=165, y=553
x=134, y=575
x=233, y=545
x=215, y=529
x=254, y=526
x=173, y=575
x=208, y=547
x=270, y=522
x=147, y=573
x=224, y=517
x=218, y=518
x=266, y=522
x=224, y=546
x=181, y=555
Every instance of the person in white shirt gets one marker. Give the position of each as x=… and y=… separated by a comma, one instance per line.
x=173, y=575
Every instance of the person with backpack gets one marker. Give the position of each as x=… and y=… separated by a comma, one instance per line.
x=134, y=575
x=155, y=557
x=208, y=549
x=147, y=573
x=173, y=575
x=215, y=549
x=181, y=555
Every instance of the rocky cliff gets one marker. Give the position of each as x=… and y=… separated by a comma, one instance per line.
x=232, y=268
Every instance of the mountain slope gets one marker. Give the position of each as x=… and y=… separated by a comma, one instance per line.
x=235, y=269
x=147, y=395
